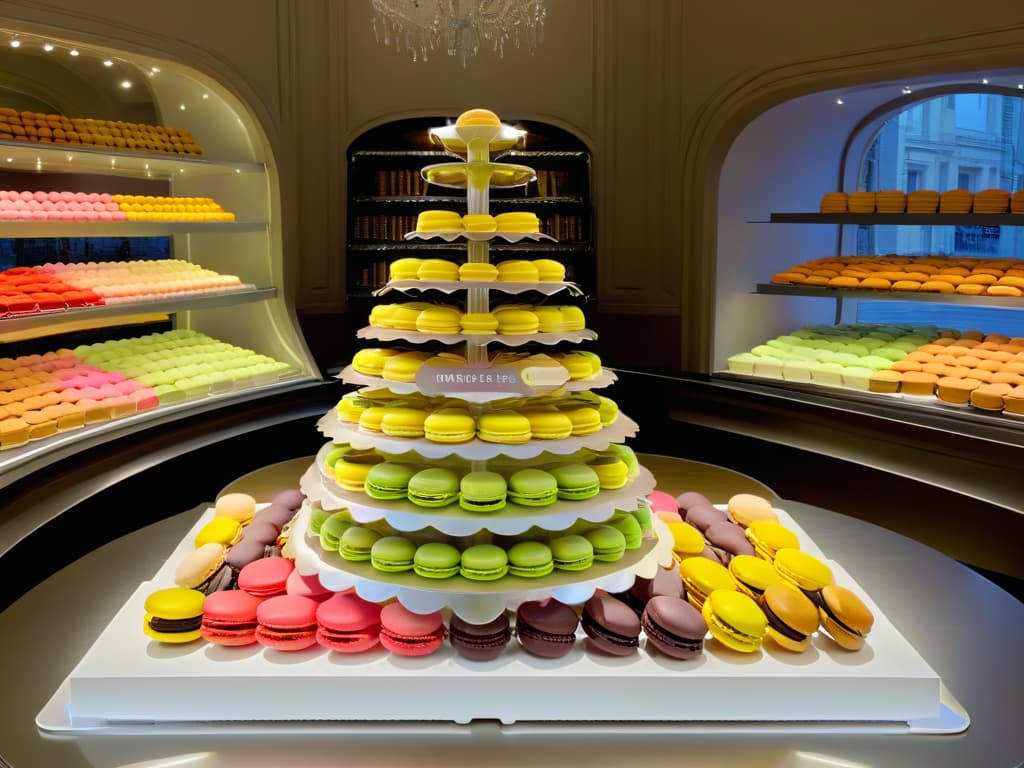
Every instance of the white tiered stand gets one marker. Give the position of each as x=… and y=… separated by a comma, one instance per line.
x=125, y=679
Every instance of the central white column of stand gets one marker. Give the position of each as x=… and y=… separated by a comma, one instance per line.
x=478, y=252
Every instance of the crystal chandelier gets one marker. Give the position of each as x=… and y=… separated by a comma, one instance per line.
x=420, y=25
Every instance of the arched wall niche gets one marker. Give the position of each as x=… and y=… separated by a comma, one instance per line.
x=796, y=103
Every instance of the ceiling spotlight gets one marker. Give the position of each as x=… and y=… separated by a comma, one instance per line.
x=154, y=70
x=906, y=90
x=984, y=81
x=48, y=47
x=15, y=43
x=108, y=63
x=181, y=107
x=73, y=51
x=206, y=95
x=839, y=101
x=1020, y=86
x=126, y=84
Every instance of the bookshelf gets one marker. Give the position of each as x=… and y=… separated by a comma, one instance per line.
x=387, y=192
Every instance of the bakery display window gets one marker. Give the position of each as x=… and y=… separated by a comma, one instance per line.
x=141, y=268
x=908, y=294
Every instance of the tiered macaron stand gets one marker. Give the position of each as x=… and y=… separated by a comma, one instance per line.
x=478, y=602
x=125, y=680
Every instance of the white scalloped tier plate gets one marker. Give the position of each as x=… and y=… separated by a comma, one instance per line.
x=350, y=376
x=476, y=449
x=476, y=601
x=548, y=288
x=455, y=139
x=510, y=340
x=501, y=176
x=452, y=235
x=452, y=520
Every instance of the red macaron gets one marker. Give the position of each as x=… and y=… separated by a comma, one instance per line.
x=265, y=577
x=287, y=622
x=229, y=617
x=348, y=624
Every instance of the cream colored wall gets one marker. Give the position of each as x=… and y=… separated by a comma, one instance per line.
x=657, y=88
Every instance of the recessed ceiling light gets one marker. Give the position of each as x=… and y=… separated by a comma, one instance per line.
x=73, y=51
x=206, y=95
x=126, y=84
x=906, y=90
x=984, y=81
x=15, y=43
x=48, y=47
x=181, y=107
x=108, y=63
x=154, y=70
x=839, y=101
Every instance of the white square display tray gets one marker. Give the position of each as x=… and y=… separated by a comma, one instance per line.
x=127, y=680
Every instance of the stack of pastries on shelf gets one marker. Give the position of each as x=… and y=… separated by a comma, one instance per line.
x=63, y=205
x=59, y=286
x=964, y=275
x=62, y=390
x=509, y=270
x=453, y=221
x=444, y=419
x=924, y=201
x=960, y=368
x=739, y=578
x=503, y=320
x=46, y=128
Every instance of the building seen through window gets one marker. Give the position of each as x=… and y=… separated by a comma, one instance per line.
x=971, y=141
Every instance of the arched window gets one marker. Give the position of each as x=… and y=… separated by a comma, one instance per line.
x=971, y=141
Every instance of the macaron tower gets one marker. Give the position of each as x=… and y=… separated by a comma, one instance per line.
x=495, y=500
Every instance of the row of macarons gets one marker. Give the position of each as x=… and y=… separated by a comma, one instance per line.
x=345, y=623
x=507, y=271
x=401, y=365
x=48, y=287
x=44, y=127
x=926, y=274
x=552, y=419
x=453, y=221
x=507, y=319
x=42, y=205
x=436, y=487
x=784, y=592
x=923, y=201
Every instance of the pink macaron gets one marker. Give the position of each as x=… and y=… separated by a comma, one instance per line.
x=229, y=617
x=287, y=622
x=410, y=634
x=662, y=502
x=348, y=624
x=266, y=577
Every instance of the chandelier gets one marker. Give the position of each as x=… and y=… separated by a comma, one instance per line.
x=464, y=25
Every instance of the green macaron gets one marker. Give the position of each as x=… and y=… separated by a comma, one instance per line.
x=608, y=543
x=484, y=562
x=357, y=543
x=629, y=527
x=530, y=559
x=389, y=480
x=482, y=491
x=572, y=552
x=434, y=487
x=391, y=554
x=436, y=560
x=576, y=482
x=317, y=517
x=532, y=488
x=332, y=529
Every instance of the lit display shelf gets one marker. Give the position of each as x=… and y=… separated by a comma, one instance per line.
x=839, y=294
x=125, y=228
x=905, y=219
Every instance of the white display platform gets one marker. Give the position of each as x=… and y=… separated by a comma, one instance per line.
x=508, y=339
x=126, y=679
x=548, y=288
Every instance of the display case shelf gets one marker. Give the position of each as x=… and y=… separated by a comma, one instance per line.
x=39, y=322
x=76, y=158
x=821, y=292
x=460, y=200
x=918, y=219
x=386, y=246
x=125, y=228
